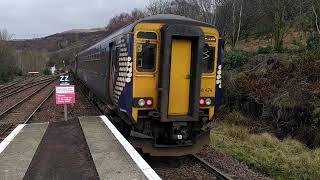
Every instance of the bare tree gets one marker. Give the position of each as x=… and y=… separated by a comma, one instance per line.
x=237, y=7
x=316, y=18
x=282, y=13
x=158, y=7
x=233, y=24
x=5, y=35
x=240, y=20
x=6, y=50
x=124, y=19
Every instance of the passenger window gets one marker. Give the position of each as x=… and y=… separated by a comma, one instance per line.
x=147, y=35
x=208, y=59
x=146, y=57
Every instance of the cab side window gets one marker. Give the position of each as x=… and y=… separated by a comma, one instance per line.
x=208, y=59
x=146, y=51
x=146, y=57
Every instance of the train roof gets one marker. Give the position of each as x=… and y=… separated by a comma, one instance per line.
x=160, y=18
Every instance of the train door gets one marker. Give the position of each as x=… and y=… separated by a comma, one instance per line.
x=180, y=77
x=113, y=51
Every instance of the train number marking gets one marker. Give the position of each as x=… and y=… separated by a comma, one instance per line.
x=206, y=90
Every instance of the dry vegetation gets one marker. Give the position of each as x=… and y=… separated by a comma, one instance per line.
x=280, y=159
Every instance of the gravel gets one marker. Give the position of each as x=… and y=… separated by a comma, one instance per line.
x=229, y=165
x=178, y=168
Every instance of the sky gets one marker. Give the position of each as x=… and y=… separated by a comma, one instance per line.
x=38, y=18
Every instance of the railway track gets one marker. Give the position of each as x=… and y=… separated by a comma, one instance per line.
x=212, y=169
x=185, y=167
x=23, y=110
x=5, y=87
x=18, y=83
x=17, y=88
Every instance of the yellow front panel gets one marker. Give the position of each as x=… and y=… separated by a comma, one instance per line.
x=145, y=84
x=179, y=77
x=208, y=80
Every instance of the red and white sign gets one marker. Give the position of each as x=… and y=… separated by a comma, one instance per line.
x=65, y=95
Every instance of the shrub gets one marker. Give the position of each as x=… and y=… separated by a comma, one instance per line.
x=313, y=42
x=46, y=71
x=313, y=47
x=7, y=73
x=265, y=50
x=236, y=118
x=235, y=59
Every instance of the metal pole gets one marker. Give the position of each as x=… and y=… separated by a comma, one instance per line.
x=65, y=113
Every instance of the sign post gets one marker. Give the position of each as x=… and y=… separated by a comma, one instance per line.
x=65, y=94
x=65, y=107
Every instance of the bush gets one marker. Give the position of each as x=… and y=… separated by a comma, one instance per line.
x=313, y=42
x=8, y=73
x=46, y=71
x=313, y=47
x=235, y=59
x=265, y=50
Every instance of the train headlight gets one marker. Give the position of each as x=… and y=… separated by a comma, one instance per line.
x=208, y=101
x=141, y=102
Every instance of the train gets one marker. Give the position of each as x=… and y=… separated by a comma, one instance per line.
x=158, y=80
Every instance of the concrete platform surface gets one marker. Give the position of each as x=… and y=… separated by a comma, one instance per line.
x=18, y=150
x=112, y=156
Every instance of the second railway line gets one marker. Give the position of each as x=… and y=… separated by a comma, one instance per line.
x=20, y=109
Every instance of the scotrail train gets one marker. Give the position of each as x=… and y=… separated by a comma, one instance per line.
x=158, y=80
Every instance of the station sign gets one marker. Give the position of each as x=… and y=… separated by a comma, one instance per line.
x=64, y=80
x=65, y=94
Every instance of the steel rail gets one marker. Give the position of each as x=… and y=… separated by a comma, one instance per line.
x=38, y=107
x=6, y=87
x=6, y=127
x=29, y=85
x=28, y=81
x=219, y=174
x=10, y=86
x=23, y=100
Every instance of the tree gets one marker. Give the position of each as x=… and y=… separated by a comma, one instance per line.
x=6, y=50
x=282, y=14
x=155, y=7
x=316, y=16
x=124, y=19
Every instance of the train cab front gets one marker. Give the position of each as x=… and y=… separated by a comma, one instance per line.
x=174, y=86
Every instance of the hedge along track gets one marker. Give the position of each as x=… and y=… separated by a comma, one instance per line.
x=22, y=111
x=7, y=92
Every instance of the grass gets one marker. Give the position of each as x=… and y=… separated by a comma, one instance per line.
x=279, y=159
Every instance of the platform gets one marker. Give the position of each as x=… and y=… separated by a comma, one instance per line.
x=88, y=148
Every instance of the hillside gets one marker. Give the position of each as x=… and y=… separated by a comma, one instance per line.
x=62, y=46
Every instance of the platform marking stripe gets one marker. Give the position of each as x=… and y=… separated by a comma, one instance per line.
x=11, y=136
x=142, y=164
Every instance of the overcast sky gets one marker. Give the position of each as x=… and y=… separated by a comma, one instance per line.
x=37, y=18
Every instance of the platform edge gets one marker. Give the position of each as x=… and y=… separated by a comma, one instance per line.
x=12, y=135
x=142, y=164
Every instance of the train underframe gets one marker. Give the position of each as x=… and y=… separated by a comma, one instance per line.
x=170, y=138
